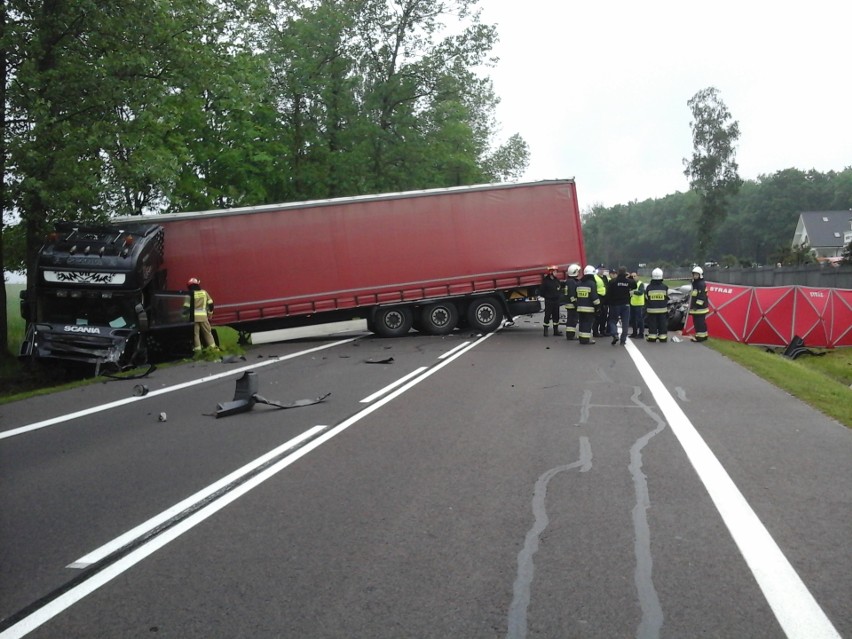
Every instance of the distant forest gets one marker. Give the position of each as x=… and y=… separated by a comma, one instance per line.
x=758, y=229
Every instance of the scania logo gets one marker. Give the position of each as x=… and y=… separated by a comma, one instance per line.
x=92, y=330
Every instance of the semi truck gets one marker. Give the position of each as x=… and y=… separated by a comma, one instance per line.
x=430, y=260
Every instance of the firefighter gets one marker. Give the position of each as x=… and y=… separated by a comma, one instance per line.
x=587, y=304
x=656, y=306
x=699, y=305
x=202, y=311
x=637, y=307
x=551, y=291
x=571, y=307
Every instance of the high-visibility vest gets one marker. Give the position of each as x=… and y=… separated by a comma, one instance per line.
x=201, y=302
x=637, y=295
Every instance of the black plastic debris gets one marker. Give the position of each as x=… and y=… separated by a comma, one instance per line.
x=245, y=397
x=232, y=359
x=387, y=360
x=795, y=349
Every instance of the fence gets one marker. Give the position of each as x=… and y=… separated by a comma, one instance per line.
x=811, y=275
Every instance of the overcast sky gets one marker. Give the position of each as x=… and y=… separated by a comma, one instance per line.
x=599, y=89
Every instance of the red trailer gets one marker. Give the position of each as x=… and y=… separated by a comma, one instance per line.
x=431, y=260
x=386, y=258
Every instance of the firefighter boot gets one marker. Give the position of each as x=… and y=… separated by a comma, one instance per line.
x=545, y=331
x=556, y=332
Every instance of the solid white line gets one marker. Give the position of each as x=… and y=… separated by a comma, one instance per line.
x=161, y=391
x=72, y=596
x=146, y=527
x=390, y=387
x=794, y=606
x=450, y=352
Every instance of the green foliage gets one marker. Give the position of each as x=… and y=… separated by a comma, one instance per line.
x=150, y=107
x=712, y=171
x=759, y=228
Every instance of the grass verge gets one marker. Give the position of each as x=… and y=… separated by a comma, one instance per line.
x=822, y=382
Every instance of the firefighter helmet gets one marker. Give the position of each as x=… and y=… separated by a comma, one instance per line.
x=574, y=270
x=699, y=270
x=657, y=274
x=193, y=280
x=589, y=270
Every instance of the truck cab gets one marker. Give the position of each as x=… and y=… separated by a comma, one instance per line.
x=96, y=295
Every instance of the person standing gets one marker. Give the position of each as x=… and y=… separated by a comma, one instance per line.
x=601, y=280
x=699, y=305
x=551, y=291
x=202, y=311
x=637, y=307
x=657, y=307
x=587, y=304
x=618, y=298
x=571, y=307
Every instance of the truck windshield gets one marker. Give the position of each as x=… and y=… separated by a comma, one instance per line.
x=92, y=309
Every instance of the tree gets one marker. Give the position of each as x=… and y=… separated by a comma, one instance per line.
x=712, y=171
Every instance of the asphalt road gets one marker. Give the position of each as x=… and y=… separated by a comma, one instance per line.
x=511, y=485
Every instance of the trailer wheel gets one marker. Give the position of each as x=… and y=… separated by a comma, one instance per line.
x=439, y=318
x=392, y=321
x=485, y=314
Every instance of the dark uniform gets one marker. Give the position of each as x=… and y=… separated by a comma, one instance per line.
x=587, y=305
x=551, y=291
x=571, y=307
x=698, y=308
x=657, y=309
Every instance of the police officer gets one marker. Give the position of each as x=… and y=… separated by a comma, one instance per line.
x=571, y=307
x=202, y=310
x=699, y=305
x=551, y=291
x=657, y=307
x=587, y=304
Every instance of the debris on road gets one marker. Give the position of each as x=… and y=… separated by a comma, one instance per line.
x=245, y=397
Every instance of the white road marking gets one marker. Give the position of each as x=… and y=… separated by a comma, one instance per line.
x=161, y=391
x=799, y=614
x=390, y=387
x=451, y=351
x=88, y=586
x=146, y=527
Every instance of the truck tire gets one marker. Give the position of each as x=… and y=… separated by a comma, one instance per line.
x=439, y=318
x=392, y=321
x=485, y=314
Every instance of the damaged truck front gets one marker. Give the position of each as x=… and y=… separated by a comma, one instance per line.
x=96, y=297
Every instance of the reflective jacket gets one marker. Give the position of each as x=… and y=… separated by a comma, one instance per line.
x=202, y=304
x=587, y=295
x=698, y=304
x=637, y=295
x=656, y=297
